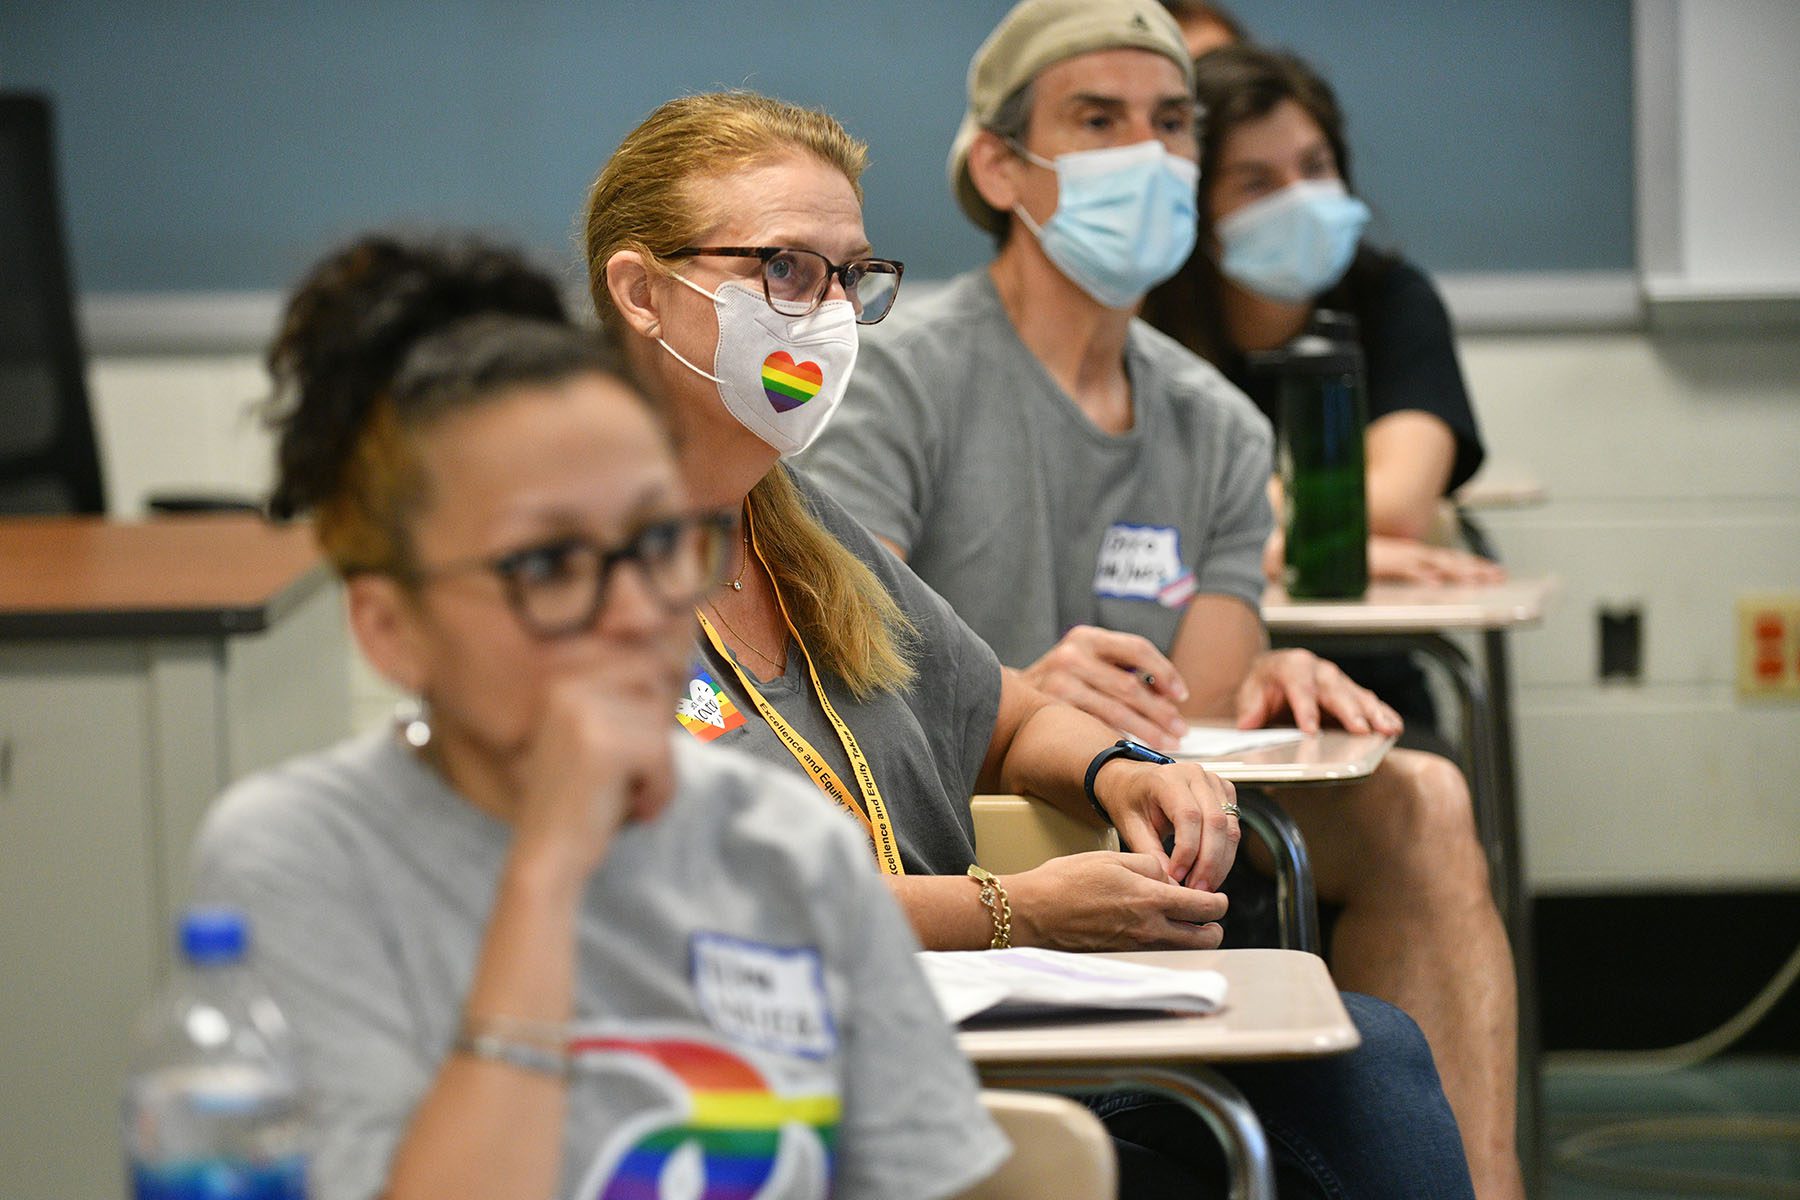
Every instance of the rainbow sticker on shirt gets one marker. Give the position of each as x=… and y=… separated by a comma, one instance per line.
x=789, y=384
x=706, y=711
x=725, y=1133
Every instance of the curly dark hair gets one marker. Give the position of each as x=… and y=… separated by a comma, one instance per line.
x=425, y=323
x=385, y=336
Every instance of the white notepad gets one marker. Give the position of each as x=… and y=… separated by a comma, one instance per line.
x=1031, y=982
x=1207, y=741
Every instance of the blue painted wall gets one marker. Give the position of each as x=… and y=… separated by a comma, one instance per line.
x=222, y=145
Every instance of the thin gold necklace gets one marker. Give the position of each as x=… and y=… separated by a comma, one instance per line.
x=737, y=585
x=748, y=645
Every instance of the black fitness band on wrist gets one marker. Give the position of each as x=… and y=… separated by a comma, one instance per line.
x=1123, y=748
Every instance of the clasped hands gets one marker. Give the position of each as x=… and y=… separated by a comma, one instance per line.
x=1125, y=681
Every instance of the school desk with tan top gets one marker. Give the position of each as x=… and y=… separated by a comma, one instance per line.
x=1280, y=1004
x=143, y=666
x=1419, y=618
x=1397, y=617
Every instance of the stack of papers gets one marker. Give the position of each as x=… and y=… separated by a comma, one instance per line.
x=1037, y=983
x=1209, y=741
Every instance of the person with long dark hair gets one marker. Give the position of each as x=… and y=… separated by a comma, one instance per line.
x=1281, y=236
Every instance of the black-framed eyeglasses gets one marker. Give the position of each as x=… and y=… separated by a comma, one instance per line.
x=558, y=587
x=795, y=282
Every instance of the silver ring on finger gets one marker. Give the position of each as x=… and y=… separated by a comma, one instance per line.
x=1229, y=808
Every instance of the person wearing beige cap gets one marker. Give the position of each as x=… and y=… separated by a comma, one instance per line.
x=1090, y=498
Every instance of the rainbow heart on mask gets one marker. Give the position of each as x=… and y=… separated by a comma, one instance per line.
x=789, y=384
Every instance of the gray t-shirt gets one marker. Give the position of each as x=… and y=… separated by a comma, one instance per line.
x=955, y=444
x=925, y=743
x=746, y=998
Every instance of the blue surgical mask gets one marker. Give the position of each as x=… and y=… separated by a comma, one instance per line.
x=1295, y=244
x=1124, y=220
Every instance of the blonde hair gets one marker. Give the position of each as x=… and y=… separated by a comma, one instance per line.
x=646, y=200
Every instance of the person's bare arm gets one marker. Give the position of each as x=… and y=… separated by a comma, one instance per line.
x=1218, y=640
x=1100, y=900
x=1408, y=457
x=1095, y=901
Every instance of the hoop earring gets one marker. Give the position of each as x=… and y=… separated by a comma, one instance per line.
x=412, y=721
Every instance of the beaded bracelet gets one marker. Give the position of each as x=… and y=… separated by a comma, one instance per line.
x=994, y=899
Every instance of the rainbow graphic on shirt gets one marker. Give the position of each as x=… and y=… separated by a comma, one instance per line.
x=706, y=711
x=789, y=384
x=723, y=1134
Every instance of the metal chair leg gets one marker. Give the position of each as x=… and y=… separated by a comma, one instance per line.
x=1205, y=1092
x=1296, y=902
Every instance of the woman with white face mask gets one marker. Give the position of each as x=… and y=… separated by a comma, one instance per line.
x=726, y=252
x=1280, y=238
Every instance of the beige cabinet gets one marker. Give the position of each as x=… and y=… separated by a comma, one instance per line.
x=142, y=667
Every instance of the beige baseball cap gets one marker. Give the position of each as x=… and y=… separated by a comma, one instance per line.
x=1035, y=34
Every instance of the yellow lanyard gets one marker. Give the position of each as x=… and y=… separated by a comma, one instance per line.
x=872, y=812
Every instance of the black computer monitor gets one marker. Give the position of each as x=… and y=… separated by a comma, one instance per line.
x=48, y=458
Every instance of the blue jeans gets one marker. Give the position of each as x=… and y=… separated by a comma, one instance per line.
x=1369, y=1125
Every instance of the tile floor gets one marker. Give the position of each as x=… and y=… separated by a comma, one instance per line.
x=1582, y=1103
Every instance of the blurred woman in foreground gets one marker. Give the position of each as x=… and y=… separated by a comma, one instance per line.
x=541, y=946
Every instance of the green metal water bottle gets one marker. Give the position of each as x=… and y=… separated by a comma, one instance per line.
x=1319, y=385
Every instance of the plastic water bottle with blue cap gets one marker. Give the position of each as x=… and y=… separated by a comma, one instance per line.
x=213, y=1108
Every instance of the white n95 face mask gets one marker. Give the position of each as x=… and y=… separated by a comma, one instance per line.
x=1125, y=218
x=1295, y=244
x=782, y=377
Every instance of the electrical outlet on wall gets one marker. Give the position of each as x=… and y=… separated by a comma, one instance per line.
x=1769, y=645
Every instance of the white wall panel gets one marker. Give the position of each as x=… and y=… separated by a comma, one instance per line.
x=1630, y=417
x=1681, y=564
x=180, y=424
x=1673, y=471
x=1682, y=787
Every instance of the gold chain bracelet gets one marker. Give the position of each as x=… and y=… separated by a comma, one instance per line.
x=994, y=899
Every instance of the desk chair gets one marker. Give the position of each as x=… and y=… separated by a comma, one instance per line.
x=49, y=457
x=1016, y=833
x=1060, y=1149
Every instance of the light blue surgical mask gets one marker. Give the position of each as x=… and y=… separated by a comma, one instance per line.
x=1295, y=244
x=1124, y=221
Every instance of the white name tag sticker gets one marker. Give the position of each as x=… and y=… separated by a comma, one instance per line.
x=767, y=996
x=1143, y=562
